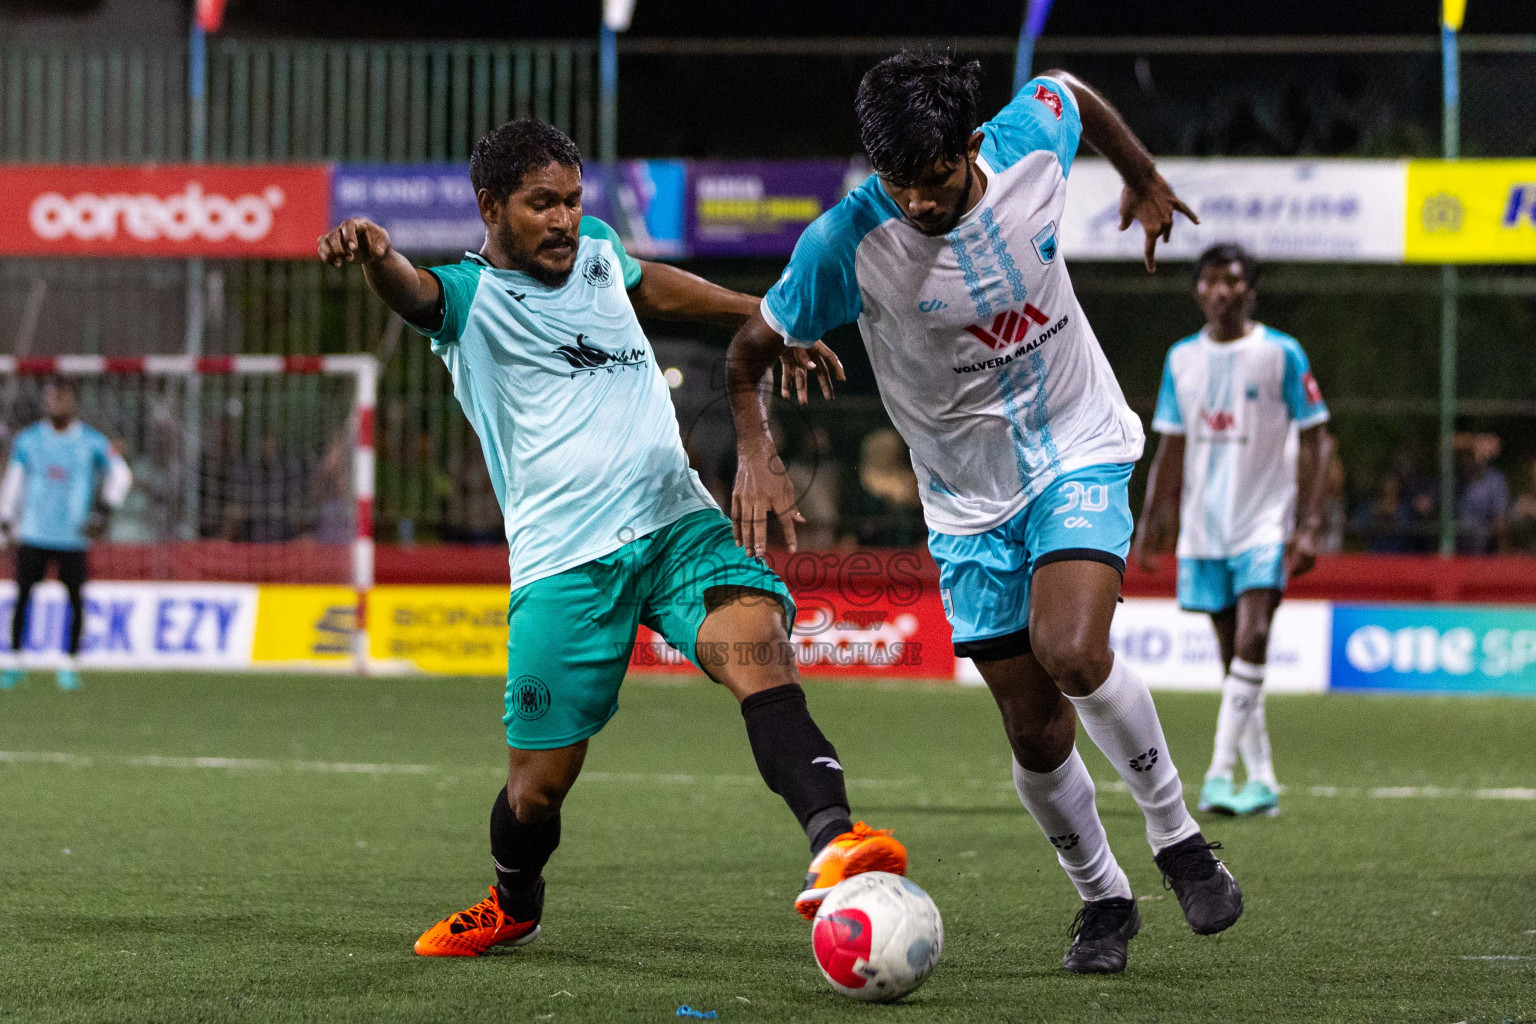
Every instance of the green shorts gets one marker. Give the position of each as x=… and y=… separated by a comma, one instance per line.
x=571, y=635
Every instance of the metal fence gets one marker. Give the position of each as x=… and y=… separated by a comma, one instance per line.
x=287, y=101
x=1372, y=331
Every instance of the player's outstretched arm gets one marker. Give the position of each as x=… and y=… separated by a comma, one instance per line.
x=1159, y=523
x=668, y=293
x=1313, y=454
x=1147, y=197
x=762, y=486
x=413, y=293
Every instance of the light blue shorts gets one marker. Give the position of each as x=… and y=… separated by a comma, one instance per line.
x=1213, y=584
x=984, y=578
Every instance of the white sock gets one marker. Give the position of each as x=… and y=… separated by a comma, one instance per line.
x=1240, y=694
x=1254, y=745
x=1122, y=721
x=1061, y=802
x=9, y=660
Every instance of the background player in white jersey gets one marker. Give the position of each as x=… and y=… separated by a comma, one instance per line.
x=61, y=483
x=1021, y=440
x=608, y=526
x=1240, y=473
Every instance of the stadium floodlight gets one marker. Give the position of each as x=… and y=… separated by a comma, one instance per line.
x=283, y=464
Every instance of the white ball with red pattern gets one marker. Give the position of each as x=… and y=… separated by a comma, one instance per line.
x=877, y=937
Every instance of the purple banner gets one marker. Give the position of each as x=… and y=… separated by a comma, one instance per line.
x=757, y=207
x=430, y=208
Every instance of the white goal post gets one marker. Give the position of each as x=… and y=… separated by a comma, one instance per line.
x=362, y=370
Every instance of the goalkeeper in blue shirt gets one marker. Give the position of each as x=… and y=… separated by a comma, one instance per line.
x=61, y=483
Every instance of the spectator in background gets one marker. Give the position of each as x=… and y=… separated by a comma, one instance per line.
x=1385, y=521
x=1522, y=514
x=1421, y=493
x=886, y=511
x=817, y=479
x=1482, y=506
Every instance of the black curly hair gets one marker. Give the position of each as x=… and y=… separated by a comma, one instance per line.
x=917, y=109
x=1224, y=253
x=503, y=157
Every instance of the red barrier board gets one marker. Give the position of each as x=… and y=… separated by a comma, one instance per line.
x=163, y=210
x=838, y=635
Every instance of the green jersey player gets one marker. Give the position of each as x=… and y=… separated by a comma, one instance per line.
x=607, y=524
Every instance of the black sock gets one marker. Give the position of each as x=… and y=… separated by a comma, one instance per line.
x=797, y=762
x=519, y=853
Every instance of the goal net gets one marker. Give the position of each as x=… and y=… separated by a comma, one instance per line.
x=254, y=470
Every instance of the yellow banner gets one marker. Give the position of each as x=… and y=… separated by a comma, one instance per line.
x=1471, y=211
x=453, y=630
x=301, y=623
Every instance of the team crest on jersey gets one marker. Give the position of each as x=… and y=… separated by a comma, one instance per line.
x=1314, y=393
x=1252, y=392
x=1045, y=243
x=1050, y=99
x=596, y=273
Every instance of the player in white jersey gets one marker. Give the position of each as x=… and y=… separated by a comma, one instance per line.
x=608, y=526
x=1242, y=431
x=947, y=259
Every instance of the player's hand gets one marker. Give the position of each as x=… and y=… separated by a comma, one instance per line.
x=797, y=364
x=1154, y=537
x=357, y=240
x=1153, y=204
x=1301, y=552
x=96, y=524
x=762, y=489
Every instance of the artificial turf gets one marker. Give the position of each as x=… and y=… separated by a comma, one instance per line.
x=286, y=879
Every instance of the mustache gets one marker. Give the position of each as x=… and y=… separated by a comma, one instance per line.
x=556, y=241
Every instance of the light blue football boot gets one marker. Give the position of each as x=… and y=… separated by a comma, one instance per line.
x=1217, y=795
x=1256, y=798
x=68, y=679
x=10, y=677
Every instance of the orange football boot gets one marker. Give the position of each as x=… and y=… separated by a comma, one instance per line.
x=852, y=853
x=473, y=931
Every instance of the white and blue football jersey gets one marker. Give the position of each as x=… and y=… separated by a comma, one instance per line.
x=573, y=415
x=983, y=357
x=1240, y=406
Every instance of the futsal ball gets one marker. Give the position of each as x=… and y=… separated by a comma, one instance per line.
x=877, y=937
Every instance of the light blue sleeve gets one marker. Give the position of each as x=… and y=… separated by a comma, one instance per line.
x=101, y=452
x=21, y=449
x=818, y=290
x=1043, y=116
x=1303, y=397
x=459, y=282
x=1167, y=419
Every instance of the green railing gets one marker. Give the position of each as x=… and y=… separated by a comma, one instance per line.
x=288, y=101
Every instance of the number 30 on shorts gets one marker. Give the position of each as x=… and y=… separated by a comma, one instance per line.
x=1092, y=498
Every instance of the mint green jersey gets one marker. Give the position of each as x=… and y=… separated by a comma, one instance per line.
x=573, y=415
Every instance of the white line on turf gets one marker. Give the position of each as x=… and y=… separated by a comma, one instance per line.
x=679, y=779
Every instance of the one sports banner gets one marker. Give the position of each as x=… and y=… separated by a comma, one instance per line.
x=1349, y=211
x=1440, y=648
x=258, y=211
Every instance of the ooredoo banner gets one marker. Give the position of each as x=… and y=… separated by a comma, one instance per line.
x=259, y=211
